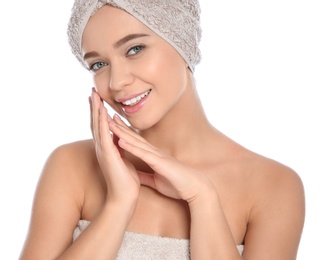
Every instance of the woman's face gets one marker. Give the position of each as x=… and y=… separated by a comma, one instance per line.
x=136, y=72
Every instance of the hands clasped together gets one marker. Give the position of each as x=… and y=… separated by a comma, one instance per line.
x=171, y=177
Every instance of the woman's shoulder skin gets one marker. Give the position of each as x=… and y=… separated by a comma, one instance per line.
x=61, y=195
x=260, y=197
x=268, y=196
x=279, y=208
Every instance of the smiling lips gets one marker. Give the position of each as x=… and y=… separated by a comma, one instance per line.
x=136, y=100
x=133, y=105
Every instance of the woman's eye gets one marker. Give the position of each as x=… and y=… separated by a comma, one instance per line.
x=98, y=65
x=135, y=50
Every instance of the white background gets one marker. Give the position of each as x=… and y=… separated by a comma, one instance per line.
x=259, y=80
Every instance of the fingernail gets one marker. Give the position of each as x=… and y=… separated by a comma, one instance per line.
x=121, y=142
x=111, y=122
x=117, y=118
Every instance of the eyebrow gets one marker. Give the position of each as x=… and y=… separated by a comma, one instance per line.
x=118, y=44
x=127, y=38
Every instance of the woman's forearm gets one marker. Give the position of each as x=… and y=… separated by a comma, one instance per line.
x=210, y=236
x=103, y=237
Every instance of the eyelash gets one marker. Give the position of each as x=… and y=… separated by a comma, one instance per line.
x=96, y=63
x=140, y=48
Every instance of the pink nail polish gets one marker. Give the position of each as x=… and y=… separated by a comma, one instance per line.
x=117, y=118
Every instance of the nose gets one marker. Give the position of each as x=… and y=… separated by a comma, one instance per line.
x=120, y=75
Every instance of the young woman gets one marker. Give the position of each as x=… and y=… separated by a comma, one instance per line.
x=169, y=185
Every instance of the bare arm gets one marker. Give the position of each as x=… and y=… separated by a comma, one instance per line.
x=57, y=208
x=277, y=212
x=211, y=237
x=276, y=221
x=61, y=194
x=103, y=238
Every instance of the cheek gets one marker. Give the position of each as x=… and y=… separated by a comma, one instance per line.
x=101, y=85
x=174, y=71
x=153, y=66
x=165, y=65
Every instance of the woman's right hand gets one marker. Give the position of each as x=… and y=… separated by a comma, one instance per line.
x=121, y=178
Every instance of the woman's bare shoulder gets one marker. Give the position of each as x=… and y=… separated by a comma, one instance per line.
x=59, y=198
x=278, y=204
x=74, y=151
x=71, y=164
x=256, y=169
x=78, y=156
x=74, y=163
x=263, y=181
x=270, y=173
x=260, y=180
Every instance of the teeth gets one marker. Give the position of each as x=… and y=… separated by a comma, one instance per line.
x=135, y=100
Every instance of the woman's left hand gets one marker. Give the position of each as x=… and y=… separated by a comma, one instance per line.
x=171, y=177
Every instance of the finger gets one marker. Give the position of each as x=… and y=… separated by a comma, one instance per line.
x=146, y=179
x=126, y=133
x=91, y=123
x=135, y=140
x=119, y=120
x=115, y=139
x=98, y=117
x=150, y=156
x=104, y=131
x=95, y=115
x=125, y=127
x=123, y=132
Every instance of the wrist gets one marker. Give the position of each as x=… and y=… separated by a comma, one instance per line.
x=204, y=201
x=119, y=207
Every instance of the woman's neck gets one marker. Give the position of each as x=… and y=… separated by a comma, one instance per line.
x=184, y=128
